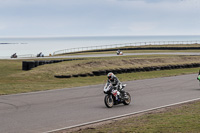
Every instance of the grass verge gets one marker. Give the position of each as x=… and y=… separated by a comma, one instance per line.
x=183, y=118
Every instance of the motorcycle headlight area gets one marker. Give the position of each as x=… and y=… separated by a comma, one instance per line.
x=114, y=92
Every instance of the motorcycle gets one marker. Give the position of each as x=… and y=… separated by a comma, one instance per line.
x=40, y=55
x=13, y=56
x=114, y=97
x=119, y=53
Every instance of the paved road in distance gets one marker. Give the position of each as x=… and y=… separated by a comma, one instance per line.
x=105, y=55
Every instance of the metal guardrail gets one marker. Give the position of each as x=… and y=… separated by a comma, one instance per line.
x=81, y=49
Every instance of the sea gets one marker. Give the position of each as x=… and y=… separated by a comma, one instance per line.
x=48, y=45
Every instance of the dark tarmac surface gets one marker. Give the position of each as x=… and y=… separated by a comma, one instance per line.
x=45, y=111
x=104, y=55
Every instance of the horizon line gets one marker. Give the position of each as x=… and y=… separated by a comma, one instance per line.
x=60, y=36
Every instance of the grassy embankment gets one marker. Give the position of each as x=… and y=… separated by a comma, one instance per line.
x=15, y=80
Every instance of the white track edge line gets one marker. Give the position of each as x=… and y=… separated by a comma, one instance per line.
x=119, y=116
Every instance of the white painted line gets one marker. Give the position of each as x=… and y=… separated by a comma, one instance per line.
x=125, y=115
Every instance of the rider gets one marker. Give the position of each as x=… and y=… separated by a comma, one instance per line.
x=115, y=83
x=118, y=52
x=198, y=77
x=14, y=55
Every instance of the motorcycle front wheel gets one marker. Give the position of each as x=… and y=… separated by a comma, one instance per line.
x=128, y=100
x=109, y=102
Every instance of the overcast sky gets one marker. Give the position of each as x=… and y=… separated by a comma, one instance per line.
x=99, y=17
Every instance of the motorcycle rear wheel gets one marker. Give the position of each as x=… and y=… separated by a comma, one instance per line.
x=109, y=101
x=127, y=101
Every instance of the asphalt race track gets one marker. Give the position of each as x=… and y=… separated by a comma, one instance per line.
x=105, y=55
x=45, y=111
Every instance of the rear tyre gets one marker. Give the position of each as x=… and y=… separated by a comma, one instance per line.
x=109, y=102
x=128, y=100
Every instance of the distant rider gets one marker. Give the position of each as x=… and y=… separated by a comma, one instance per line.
x=40, y=55
x=115, y=83
x=14, y=55
x=118, y=52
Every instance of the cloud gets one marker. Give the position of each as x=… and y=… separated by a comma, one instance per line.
x=2, y=27
x=48, y=17
x=152, y=1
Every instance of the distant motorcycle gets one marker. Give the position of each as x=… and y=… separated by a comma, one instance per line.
x=114, y=97
x=40, y=55
x=119, y=52
x=13, y=56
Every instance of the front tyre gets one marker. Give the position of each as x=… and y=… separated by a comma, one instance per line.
x=128, y=100
x=109, y=102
